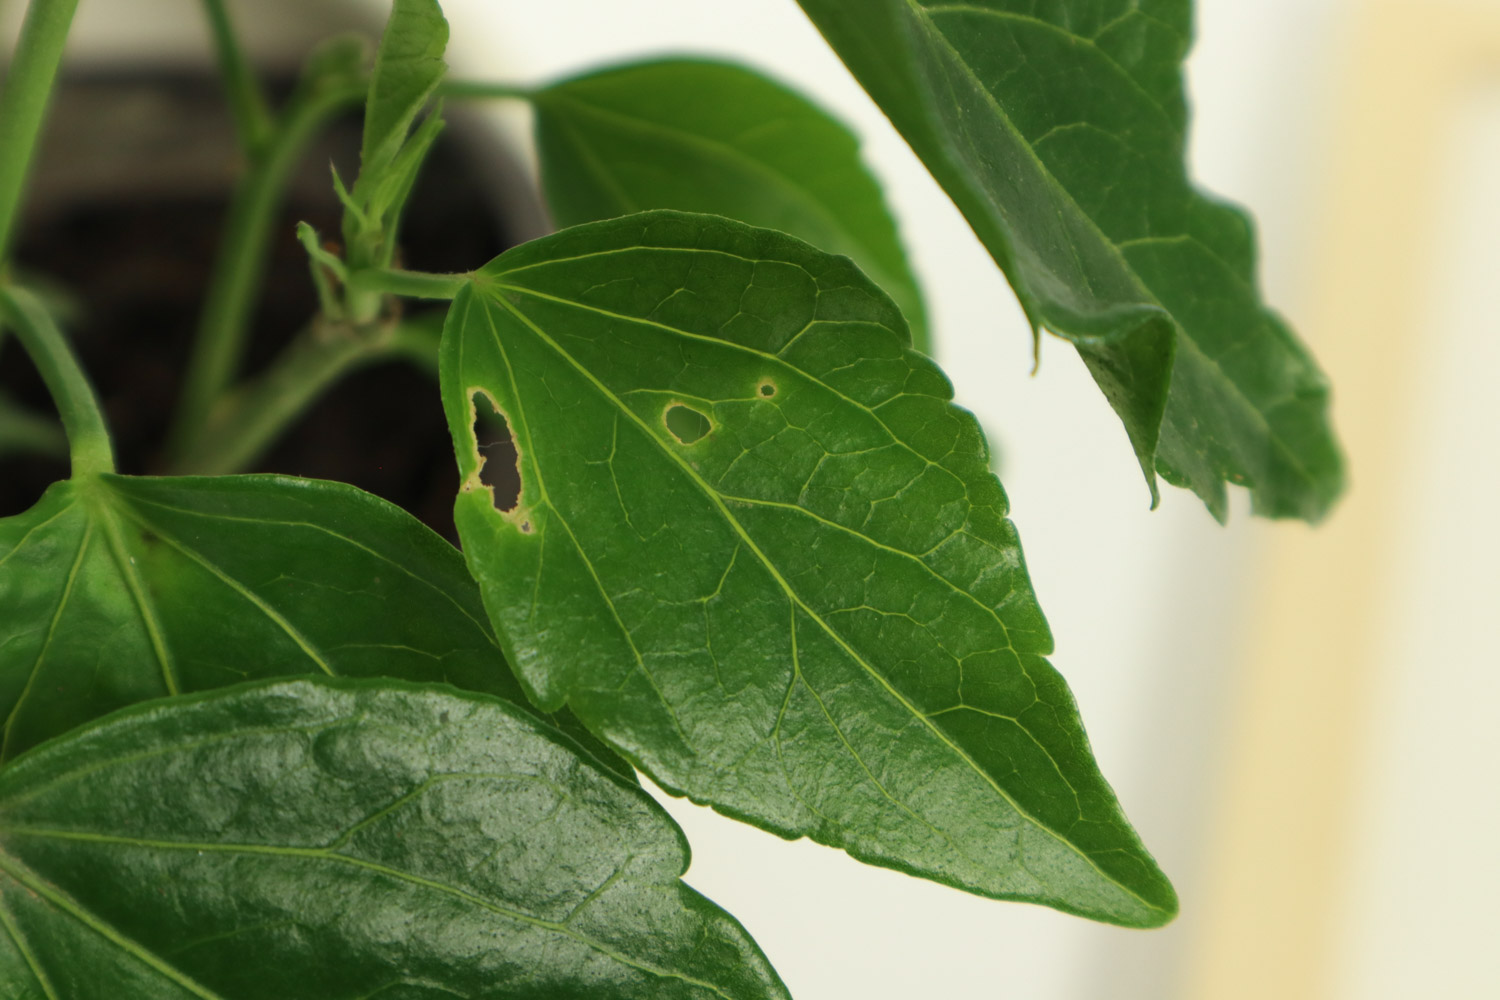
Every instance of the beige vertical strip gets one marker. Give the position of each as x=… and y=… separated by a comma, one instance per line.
x=1275, y=878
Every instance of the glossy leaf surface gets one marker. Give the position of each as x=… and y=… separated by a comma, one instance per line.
x=710, y=137
x=306, y=840
x=1058, y=129
x=119, y=589
x=805, y=607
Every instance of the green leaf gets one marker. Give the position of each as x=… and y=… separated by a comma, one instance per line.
x=1058, y=129
x=408, y=67
x=388, y=200
x=319, y=839
x=814, y=616
x=709, y=137
x=119, y=589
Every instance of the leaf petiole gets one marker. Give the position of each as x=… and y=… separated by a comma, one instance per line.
x=407, y=284
x=88, y=437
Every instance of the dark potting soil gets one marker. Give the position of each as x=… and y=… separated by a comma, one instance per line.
x=130, y=237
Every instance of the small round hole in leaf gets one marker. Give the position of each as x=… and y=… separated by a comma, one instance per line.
x=686, y=424
x=768, y=389
x=499, y=459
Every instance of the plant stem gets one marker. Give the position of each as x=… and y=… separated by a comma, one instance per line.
x=470, y=89
x=88, y=437
x=247, y=422
x=241, y=263
x=23, y=104
x=417, y=343
x=247, y=99
x=407, y=284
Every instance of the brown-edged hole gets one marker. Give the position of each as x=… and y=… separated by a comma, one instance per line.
x=686, y=424
x=500, y=461
x=768, y=389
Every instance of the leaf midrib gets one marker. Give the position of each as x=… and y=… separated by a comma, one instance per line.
x=125, y=565
x=8, y=919
x=837, y=638
x=482, y=625
x=57, y=613
x=588, y=563
x=236, y=585
x=24, y=876
x=784, y=364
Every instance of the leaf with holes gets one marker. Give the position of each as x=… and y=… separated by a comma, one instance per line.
x=117, y=589
x=710, y=137
x=753, y=545
x=347, y=839
x=1058, y=129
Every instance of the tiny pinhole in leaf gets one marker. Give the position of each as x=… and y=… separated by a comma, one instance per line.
x=687, y=425
x=768, y=389
x=499, y=459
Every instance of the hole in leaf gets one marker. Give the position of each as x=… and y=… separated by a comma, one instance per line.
x=768, y=389
x=686, y=424
x=499, y=459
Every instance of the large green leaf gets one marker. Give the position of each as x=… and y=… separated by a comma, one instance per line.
x=1058, y=129
x=306, y=840
x=710, y=137
x=117, y=589
x=757, y=550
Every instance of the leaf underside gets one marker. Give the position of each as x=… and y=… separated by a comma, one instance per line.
x=1058, y=129
x=304, y=840
x=701, y=136
x=118, y=589
x=815, y=615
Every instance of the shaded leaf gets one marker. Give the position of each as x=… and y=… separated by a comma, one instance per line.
x=711, y=137
x=318, y=839
x=1058, y=129
x=814, y=616
x=117, y=589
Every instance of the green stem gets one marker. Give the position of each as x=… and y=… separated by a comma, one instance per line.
x=247, y=421
x=247, y=99
x=241, y=264
x=407, y=284
x=471, y=89
x=23, y=104
x=250, y=420
x=88, y=437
